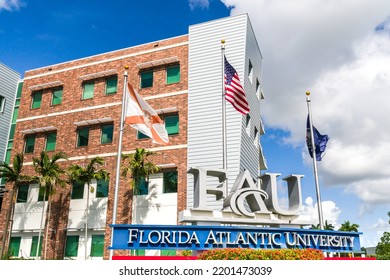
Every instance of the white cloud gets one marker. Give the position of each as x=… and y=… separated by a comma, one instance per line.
x=330, y=212
x=198, y=4
x=10, y=5
x=335, y=50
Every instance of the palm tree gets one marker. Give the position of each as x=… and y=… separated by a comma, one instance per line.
x=139, y=166
x=326, y=226
x=85, y=175
x=49, y=174
x=12, y=174
x=347, y=226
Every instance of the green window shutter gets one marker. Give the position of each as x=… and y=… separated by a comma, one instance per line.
x=146, y=79
x=14, y=246
x=88, y=89
x=29, y=144
x=172, y=124
x=140, y=252
x=102, y=188
x=8, y=156
x=97, y=247
x=107, y=134
x=42, y=194
x=82, y=137
x=34, y=245
x=170, y=182
x=12, y=131
x=51, y=141
x=15, y=114
x=22, y=194
x=111, y=85
x=173, y=74
x=57, y=97
x=72, y=245
x=77, y=190
x=36, y=100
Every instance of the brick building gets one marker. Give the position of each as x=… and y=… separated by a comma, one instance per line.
x=75, y=107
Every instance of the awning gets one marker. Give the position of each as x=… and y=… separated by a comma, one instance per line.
x=99, y=75
x=94, y=121
x=39, y=130
x=159, y=62
x=46, y=85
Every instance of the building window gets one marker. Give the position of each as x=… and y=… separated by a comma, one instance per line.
x=146, y=79
x=248, y=124
x=14, y=246
x=51, y=141
x=34, y=246
x=72, y=245
x=88, y=89
x=2, y=103
x=56, y=98
x=43, y=194
x=77, y=190
x=102, y=188
x=29, y=144
x=173, y=74
x=172, y=124
x=256, y=139
x=36, y=100
x=107, y=133
x=82, y=137
x=22, y=194
x=142, y=187
x=97, y=246
x=111, y=85
x=170, y=182
x=257, y=89
x=250, y=71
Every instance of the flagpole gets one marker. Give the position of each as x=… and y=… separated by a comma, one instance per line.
x=224, y=137
x=118, y=161
x=314, y=162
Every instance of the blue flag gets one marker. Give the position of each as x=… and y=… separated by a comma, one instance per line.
x=320, y=141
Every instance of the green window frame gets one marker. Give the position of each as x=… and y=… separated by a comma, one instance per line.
x=56, y=98
x=77, y=190
x=102, y=188
x=29, y=143
x=88, y=89
x=111, y=85
x=97, y=246
x=172, y=124
x=107, y=134
x=173, y=74
x=71, y=246
x=22, y=194
x=36, y=100
x=146, y=79
x=14, y=246
x=82, y=137
x=170, y=182
x=51, y=139
x=34, y=246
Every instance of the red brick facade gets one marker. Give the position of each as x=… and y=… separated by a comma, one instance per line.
x=74, y=109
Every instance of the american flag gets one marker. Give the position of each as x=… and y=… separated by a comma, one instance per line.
x=234, y=93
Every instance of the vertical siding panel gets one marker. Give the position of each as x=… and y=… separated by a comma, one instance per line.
x=205, y=99
x=8, y=85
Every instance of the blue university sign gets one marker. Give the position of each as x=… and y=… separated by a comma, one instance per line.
x=210, y=237
x=264, y=222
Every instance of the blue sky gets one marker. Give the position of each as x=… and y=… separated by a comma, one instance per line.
x=338, y=50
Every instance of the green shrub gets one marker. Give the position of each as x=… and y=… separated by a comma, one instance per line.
x=261, y=254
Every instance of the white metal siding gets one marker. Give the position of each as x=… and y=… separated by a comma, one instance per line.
x=8, y=84
x=205, y=98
